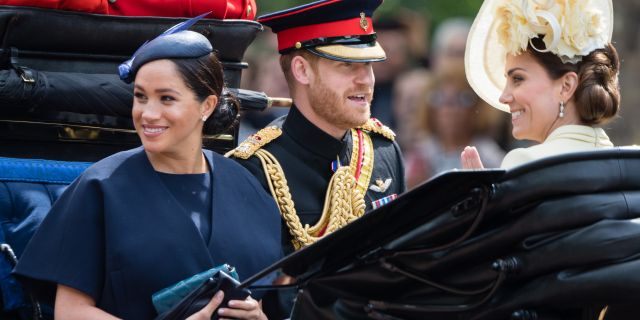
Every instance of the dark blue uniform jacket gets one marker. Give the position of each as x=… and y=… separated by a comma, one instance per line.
x=305, y=153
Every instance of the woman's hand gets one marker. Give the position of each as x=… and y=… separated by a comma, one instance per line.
x=242, y=309
x=206, y=312
x=470, y=158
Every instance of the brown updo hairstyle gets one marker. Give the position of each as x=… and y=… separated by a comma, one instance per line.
x=597, y=95
x=204, y=76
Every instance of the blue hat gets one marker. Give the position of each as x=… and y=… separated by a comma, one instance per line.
x=175, y=43
x=334, y=29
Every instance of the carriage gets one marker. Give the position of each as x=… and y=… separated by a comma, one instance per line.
x=553, y=239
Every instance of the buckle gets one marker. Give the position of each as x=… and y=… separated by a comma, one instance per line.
x=26, y=75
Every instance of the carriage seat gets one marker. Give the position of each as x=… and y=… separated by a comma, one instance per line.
x=28, y=188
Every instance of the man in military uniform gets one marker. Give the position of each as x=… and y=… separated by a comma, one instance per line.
x=328, y=162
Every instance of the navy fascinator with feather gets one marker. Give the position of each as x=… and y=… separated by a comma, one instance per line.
x=176, y=42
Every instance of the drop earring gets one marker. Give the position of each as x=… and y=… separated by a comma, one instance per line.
x=561, y=115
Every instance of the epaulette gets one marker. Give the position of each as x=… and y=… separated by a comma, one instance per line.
x=254, y=142
x=374, y=125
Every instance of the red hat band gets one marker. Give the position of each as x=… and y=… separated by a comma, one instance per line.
x=351, y=27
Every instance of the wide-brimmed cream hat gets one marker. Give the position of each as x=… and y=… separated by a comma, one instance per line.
x=485, y=54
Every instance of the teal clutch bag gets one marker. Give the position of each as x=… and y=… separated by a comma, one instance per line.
x=168, y=297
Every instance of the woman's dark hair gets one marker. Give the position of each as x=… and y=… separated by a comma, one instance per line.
x=205, y=77
x=597, y=96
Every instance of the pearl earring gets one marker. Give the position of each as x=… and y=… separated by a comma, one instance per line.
x=561, y=115
x=204, y=118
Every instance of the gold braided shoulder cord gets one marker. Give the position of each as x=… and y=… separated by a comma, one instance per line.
x=603, y=312
x=343, y=203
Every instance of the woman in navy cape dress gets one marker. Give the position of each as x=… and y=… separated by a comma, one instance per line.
x=119, y=235
x=122, y=232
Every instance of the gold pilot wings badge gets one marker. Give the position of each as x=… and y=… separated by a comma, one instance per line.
x=380, y=186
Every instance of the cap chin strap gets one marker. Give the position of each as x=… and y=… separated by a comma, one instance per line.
x=327, y=41
x=344, y=59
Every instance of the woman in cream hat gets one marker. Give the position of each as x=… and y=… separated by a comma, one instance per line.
x=550, y=64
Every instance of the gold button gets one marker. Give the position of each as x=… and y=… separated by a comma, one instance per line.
x=298, y=45
x=248, y=11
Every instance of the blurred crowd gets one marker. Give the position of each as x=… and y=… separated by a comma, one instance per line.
x=421, y=92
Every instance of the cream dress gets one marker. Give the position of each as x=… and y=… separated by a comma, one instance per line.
x=564, y=139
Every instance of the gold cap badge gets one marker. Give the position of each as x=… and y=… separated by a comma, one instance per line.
x=364, y=24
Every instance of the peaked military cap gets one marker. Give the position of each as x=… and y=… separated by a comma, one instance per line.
x=339, y=30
